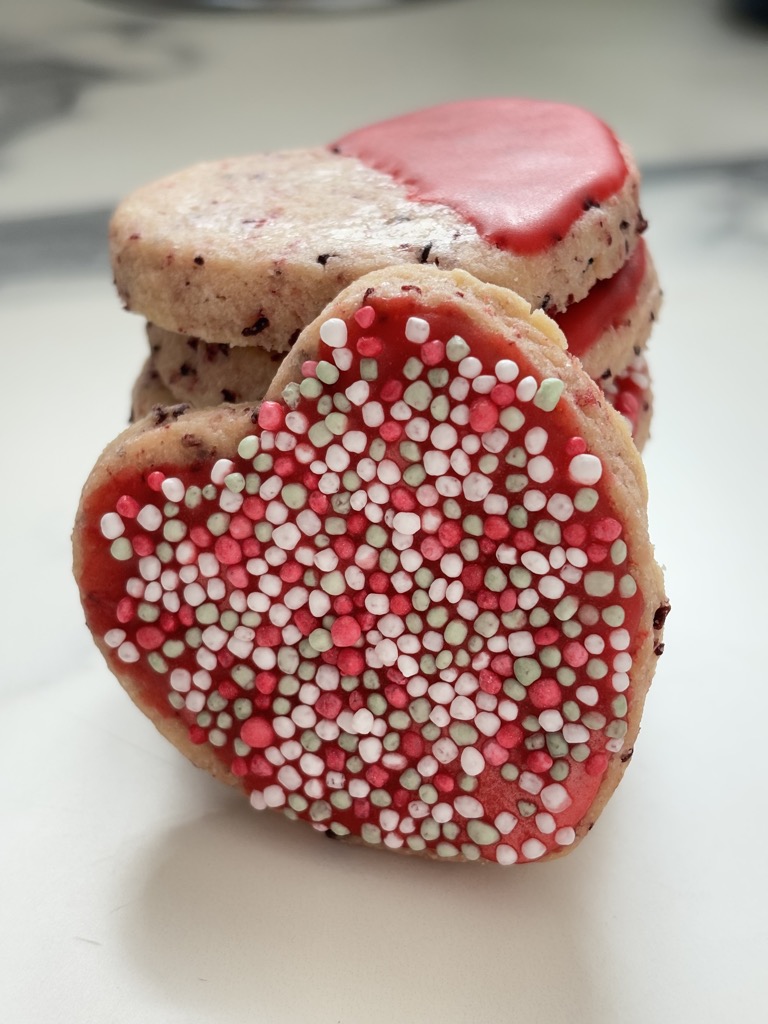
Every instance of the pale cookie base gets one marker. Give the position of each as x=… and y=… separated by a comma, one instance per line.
x=185, y=437
x=247, y=251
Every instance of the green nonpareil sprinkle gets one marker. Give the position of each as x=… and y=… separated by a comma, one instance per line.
x=174, y=531
x=310, y=388
x=548, y=395
x=456, y=349
x=327, y=372
x=481, y=833
x=418, y=395
x=234, y=482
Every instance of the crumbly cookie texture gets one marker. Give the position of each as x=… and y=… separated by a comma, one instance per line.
x=247, y=251
x=409, y=599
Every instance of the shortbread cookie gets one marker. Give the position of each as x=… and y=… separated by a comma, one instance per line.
x=535, y=196
x=409, y=599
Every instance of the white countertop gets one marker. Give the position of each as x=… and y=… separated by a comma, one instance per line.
x=134, y=889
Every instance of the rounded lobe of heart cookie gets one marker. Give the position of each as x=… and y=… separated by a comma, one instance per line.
x=526, y=170
x=409, y=599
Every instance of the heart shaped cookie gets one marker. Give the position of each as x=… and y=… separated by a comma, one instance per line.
x=410, y=598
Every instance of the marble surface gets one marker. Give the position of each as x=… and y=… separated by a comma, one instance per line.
x=133, y=888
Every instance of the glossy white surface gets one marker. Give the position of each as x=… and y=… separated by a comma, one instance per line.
x=132, y=888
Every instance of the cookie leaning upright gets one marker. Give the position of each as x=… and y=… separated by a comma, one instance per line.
x=243, y=253
x=410, y=599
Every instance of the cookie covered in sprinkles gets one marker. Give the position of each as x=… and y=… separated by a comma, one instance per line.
x=409, y=599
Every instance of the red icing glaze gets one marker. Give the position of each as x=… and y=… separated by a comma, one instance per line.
x=320, y=674
x=606, y=306
x=521, y=171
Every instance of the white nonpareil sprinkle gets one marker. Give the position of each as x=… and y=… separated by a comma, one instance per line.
x=112, y=526
x=416, y=330
x=506, y=854
x=585, y=469
x=114, y=637
x=334, y=332
x=527, y=388
x=555, y=797
x=533, y=849
x=150, y=517
x=507, y=370
x=173, y=489
x=358, y=392
x=221, y=470
x=469, y=807
x=472, y=761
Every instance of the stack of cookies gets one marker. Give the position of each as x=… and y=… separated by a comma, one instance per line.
x=229, y=261
x=375, y=551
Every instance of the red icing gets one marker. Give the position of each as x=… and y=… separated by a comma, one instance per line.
x=349, y=621
x=606, y=306
x=521, y=171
